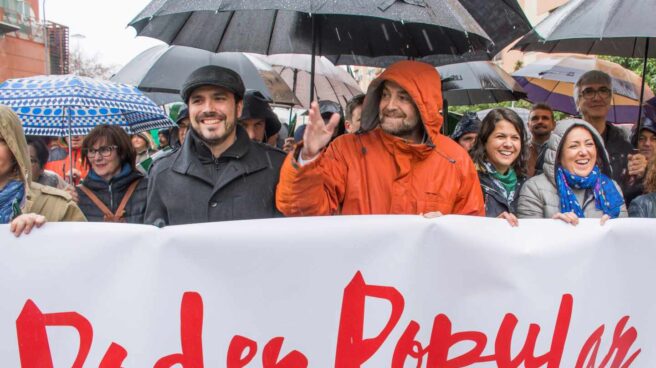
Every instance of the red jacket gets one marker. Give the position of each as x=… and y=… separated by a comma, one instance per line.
x=377, y=173
x=62, y=167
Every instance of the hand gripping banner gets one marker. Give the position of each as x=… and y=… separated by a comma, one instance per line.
x=346, y=292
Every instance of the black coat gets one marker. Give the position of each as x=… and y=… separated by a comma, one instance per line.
x=111, y=195
x=643, y=206
x=619, y=148
x=190, y=186
x=495, y=202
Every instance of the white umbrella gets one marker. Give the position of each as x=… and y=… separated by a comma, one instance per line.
x=331, y=82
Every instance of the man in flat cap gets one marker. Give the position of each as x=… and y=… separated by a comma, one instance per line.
x=218, y=174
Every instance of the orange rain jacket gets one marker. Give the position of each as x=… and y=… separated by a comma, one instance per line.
x=373, y=172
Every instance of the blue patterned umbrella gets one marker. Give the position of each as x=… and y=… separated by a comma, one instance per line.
x=62, y=105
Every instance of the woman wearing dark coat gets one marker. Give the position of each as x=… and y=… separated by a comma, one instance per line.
x=500, y=159
x=113, y=191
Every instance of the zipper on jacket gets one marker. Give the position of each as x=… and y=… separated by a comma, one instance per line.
x=111, y=197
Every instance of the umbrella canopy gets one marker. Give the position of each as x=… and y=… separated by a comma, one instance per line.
x=522, y=112
x=478, y=82
x=330, y=83
x=503, y=20
x=60, y=105
x=552, y=80
x=407, y=28
x=600, y=27
x=161, y=70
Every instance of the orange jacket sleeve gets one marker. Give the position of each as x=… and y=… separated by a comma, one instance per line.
x=314, y=189
x=470, y=196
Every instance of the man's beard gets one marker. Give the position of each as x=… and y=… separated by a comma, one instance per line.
x=229, y=128
x=403, y=130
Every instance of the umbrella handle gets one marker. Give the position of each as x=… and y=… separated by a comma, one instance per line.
x=642, y=94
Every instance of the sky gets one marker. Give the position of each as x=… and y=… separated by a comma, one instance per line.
x=103, y=27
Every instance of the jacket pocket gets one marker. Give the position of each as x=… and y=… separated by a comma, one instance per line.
x=432, y=202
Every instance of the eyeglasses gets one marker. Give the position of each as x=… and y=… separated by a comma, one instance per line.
x=591, y=93
x=105, y=151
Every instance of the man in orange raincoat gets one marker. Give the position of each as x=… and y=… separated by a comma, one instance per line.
x=398, y=163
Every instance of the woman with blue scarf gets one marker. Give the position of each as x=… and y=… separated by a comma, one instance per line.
x=25, y=204
x=576, y=179
x=113, y=191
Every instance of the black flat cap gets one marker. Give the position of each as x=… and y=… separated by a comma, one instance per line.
x=213, y=75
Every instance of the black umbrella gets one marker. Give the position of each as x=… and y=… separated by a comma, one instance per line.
x=370, y=28
x=478, y=82
x=161, y=70
x=601, y=27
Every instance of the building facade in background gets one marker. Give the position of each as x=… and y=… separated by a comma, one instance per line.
x=27, y=47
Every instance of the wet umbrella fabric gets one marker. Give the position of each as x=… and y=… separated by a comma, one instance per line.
x=478, y=82
x=408, y=28
x=503, y=20
x=552, y=80
x=599, y=27
x=330, y=83
x=160, y=71
x=59, y=105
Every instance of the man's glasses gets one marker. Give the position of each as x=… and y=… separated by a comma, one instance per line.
x=105, y=151
x=590, y=93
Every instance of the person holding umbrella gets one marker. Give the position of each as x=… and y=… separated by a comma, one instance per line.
x=24, y=203
x=592, y=96
x=398, y=164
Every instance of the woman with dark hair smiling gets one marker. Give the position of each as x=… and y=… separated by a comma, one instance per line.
x=500, y=160
x=113, y=191
x=576, y=180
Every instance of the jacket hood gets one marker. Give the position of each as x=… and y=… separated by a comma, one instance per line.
x=469, y=123
x=424, y=85
x=11, y=132
x=555, y=141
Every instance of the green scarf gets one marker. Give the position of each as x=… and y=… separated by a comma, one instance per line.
x=509, y=180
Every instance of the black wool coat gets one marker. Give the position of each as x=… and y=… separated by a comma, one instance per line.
x=190, y=186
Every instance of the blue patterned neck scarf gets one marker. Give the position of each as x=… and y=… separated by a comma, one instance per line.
x=11, y=197
x=607, y=198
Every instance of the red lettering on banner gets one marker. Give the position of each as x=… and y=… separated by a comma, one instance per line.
x=33, y=345
x=238, y=345
x=620, y=346
x=191, y=335
x=353, y=348
x=353, y=351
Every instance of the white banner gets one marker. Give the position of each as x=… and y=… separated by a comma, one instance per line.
x=362, y=291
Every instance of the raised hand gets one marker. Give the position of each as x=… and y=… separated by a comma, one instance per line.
x=317, y=134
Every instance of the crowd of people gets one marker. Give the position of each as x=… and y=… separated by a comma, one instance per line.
x=230, y=158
